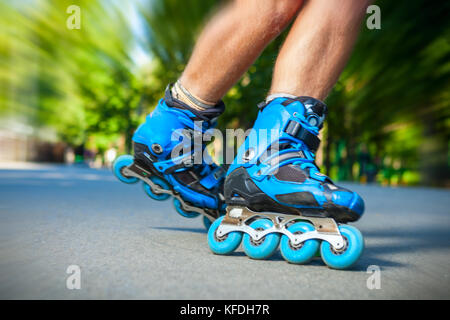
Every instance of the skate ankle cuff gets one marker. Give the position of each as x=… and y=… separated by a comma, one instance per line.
x=208, y=114
x=315, y=110
x=183, y=94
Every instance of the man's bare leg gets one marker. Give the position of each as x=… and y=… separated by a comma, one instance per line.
x=317, y=47
x=231, y=42
x=276, y=172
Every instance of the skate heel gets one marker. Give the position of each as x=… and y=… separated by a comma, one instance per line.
x=128, y=171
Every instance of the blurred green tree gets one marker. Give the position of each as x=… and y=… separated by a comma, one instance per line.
x=389, y=99
x=389, y=112
x=81, y=82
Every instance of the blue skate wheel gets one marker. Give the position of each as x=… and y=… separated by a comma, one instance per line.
x=303, y=252
x=264, y=247
x=206, y=222
x=343, y=259
x=226, y=244
x=186, y=214
x=155, y=195
x=118, y=165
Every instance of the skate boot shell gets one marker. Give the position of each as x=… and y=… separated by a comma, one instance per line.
x=276, y=195
x=170, y=159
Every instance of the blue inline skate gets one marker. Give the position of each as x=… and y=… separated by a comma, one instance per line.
x=170, y=159
x=276, y=196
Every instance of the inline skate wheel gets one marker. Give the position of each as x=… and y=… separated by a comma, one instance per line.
x=206, y=222
x=302, y=252
x=261, y=248
x=118, y=165
x=186, y=214
x=225, y=244
x=156, y=195
x=345, y=258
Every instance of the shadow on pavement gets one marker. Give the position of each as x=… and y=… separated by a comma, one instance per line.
x=194, y=230
x=394, y=241
x=412, y=240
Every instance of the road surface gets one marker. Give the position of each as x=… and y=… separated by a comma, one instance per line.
x=128, y=246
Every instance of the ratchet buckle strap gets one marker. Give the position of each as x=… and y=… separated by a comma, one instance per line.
x=296, y=130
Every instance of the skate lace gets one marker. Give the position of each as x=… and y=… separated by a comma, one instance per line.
x=311, y=165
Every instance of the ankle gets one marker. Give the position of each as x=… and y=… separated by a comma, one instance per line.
x=180, y=93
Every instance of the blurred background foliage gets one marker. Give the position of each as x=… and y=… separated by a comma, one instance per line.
x=87, y=89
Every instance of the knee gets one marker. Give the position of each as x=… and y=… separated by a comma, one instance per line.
x=346, y=8
x=283, y=10
x=275, y=14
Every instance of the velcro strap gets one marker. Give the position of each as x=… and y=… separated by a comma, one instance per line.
x=211, y=180
x=286, y=156
x=296, y=130
x=219, y=173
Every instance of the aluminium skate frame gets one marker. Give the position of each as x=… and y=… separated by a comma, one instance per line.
x=134, y=170
x=237, y=217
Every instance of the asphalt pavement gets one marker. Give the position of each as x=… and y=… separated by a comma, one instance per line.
x=126, y=246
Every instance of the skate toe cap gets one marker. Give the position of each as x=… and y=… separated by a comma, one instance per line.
x=350, y=200
x=357, y=204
